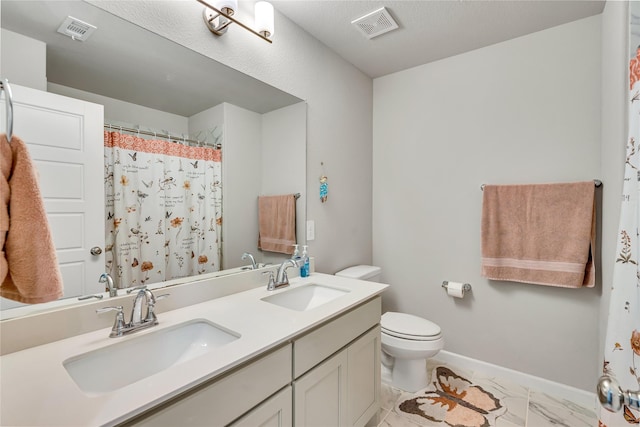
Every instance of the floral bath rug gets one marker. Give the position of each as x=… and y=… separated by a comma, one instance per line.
x=452, y=400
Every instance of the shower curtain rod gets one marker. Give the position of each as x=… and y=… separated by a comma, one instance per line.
x=161, y=135
x=596, y=182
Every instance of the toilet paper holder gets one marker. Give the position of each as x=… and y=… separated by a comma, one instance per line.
x=465, y=287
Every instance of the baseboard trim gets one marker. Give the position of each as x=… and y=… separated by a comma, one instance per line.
x=579, y=396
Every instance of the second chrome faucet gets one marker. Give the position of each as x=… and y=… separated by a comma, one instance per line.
x=281, y=280
x=137, y=322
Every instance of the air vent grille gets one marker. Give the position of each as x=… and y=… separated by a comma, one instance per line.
x=375, y=23
x=76, y=29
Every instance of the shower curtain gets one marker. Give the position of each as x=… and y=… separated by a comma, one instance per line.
x=622, y=343
x=163, y=203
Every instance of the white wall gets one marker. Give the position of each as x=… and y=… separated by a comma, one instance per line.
x=241, y=172
x=339, y=120
x=128, y=114
x=526, y=110
x=615, y=81
x=284, y=163
x=23, y=60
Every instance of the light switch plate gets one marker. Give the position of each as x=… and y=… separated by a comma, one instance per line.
x=311, y=230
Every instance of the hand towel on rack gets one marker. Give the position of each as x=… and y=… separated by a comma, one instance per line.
x=29, y=271
x=542, y=234
x=277, y=223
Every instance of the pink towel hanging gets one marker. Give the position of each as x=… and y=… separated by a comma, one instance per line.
x=542, y=234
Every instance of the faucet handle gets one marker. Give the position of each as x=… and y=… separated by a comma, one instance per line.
x=163, y=296
x=119, y=324
x=272, y=283
x=85, y=297
x=151, y=304
x=137, y=288
x=105, y=309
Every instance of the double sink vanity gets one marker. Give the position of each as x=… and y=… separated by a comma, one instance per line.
x=307, y=354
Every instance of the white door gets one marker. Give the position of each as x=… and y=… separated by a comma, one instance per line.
x=65, y=140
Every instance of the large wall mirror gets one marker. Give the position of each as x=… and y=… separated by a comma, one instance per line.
x=147, y=83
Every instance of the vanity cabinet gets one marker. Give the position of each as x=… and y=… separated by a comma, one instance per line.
x=337, y=370
x=329, y=376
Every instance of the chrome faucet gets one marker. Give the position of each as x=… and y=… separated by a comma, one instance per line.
x=281, y=280
x=253, y=261
x=106, y=278
x=136, y=311
x=137, y=322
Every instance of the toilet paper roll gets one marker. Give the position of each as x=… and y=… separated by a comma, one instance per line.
x=455, y=289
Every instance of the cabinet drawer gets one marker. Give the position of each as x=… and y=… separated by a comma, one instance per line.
x=275, y=412
x=321, y=343
x=221, y=401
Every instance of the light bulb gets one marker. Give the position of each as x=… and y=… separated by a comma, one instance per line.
x=264, y=18
x=232, y=5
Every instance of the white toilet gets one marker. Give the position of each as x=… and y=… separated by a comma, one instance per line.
x=407, y=340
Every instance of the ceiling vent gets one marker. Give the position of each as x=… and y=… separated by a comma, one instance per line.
x=76, y=29
x=375, y=23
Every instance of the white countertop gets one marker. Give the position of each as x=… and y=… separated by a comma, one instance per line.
x=35, y=388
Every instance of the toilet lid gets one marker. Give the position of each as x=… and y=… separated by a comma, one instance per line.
x=407, y=326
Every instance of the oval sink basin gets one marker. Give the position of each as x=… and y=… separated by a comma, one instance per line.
x=305, y=297
x=123, y=363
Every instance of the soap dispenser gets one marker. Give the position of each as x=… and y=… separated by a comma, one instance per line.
x=296, y=253
x=304, y=269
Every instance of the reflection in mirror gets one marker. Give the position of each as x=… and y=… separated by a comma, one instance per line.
x=126, y=77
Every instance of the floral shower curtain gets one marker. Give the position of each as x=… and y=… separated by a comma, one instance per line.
x=163, y=203
x=622, y=344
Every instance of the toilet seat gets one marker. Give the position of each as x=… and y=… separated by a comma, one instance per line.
x=409, y=327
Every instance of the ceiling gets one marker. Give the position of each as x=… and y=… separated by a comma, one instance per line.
x=173, y=79
x=428, y=30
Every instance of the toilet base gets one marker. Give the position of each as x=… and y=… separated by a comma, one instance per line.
x=409, y=374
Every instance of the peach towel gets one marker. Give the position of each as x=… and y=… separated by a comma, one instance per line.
x=277, y=223
x=29, y=271
x=542, y=234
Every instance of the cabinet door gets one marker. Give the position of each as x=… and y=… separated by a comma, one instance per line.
x=275, y=412
x=363, y=389
x=320, y=396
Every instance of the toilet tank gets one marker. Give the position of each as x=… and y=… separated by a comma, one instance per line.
x=362, y=272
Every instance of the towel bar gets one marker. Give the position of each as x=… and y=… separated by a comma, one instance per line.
x=8, y=99
x=596, y=182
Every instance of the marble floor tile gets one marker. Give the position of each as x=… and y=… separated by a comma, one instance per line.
x=389, y=396
x=546, y=410
x=514, y=397
x=377, y=420
x=548, y=400
x=393, y=419
x=555, y=416
x=432, y=363
x=500, y=387
x=525, y=408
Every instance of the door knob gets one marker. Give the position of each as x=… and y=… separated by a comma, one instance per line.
x=96, y=250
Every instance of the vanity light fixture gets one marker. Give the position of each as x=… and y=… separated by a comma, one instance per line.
x=219, y=15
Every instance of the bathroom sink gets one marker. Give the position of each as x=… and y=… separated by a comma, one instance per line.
x=123, y=363
x=305, y=297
